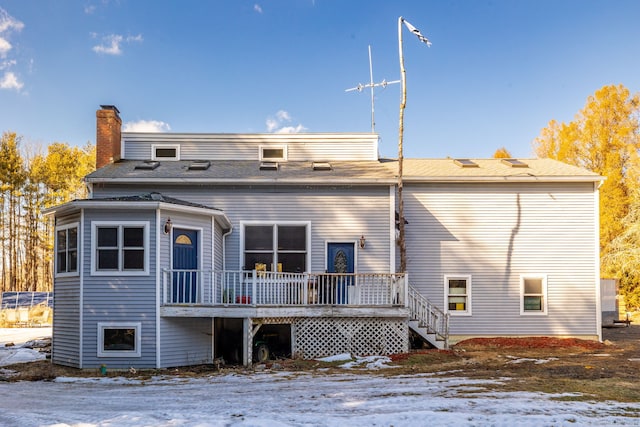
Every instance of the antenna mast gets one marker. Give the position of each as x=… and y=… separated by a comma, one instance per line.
x=371, y=85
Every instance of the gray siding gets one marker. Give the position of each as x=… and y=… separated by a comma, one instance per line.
x=498, y=232
x=66, y=320
x=115, y=298
x=319, y=147
x=335, y=213
x=186, y=341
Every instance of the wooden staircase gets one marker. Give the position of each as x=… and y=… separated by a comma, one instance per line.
x=427, y=320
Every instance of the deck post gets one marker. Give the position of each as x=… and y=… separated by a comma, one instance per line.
x=406, y=289
x=247, y=339
x=254, y=288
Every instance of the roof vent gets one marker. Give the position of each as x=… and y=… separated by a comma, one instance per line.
x=148, y=165
x=269, y=166
x=466, y=163
x=321, y=166
x=199, y=165
x=514, y=163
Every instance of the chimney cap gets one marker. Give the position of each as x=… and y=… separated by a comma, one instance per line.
x=110, y=107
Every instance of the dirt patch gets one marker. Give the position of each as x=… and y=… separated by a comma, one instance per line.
x=588, y=370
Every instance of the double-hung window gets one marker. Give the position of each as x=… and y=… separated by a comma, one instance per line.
x=533, y=294
x=67, y=249
x=120, y=248
x=276, y=247
x=458, y=294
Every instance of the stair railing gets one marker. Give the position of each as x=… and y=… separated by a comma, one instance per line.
x=430, y=317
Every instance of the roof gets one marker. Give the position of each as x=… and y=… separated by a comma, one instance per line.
x=249, y=172
x=496, y=170
x=149, y=201
x=383, y=172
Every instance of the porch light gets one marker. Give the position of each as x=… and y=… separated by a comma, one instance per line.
x=167, y=226
x=363, y=242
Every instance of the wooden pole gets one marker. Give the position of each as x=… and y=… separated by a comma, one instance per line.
x=403, y=102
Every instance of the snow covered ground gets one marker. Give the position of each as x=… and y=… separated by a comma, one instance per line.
x=292, y=399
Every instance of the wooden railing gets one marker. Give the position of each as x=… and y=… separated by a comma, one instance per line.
x=430, y=317
x=258, y=288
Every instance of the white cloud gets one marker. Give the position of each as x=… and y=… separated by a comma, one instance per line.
x=276, y=124
x=8, y=22
x=10, y=81
x=5, y=47
x=89, y=9
x=111, y=44
x=257, y=8
x=146, y=126
x=7, y=64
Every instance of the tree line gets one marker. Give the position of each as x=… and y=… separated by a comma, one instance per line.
x=29, y=183
x=604, y=137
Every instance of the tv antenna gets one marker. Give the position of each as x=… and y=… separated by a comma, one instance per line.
x=372, y=85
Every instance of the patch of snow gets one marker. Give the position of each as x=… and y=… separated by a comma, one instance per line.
x=336, y=358
x=19, y=345
x=368, y=362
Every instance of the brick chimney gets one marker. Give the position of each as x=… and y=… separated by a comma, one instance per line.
x=108, y=141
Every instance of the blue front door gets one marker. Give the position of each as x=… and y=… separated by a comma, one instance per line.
x=185, y=258
x=340, y=260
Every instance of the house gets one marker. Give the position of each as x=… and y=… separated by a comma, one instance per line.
x=194, y=247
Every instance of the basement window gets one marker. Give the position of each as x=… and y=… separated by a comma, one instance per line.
x=116, y=339
x=165, y=152
x=273, y=153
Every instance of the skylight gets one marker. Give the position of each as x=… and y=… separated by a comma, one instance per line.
x=147, y=165
x=269, y=166
x=515, y=163
x=466, y=163
x=321, y=166
x=199, y=165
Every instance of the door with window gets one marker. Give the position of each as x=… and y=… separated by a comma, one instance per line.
x=341, y=263
x=185, y=262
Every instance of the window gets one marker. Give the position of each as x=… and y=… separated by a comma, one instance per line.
x=120, y=248
x=165, y=152
x=458, y=294
x=533, y=291
x=281, y=245
x=119, y=339
x=67, y=249
x=273, y=153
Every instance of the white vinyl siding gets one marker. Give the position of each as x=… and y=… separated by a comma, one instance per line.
x=498, y=232
x=299, y=147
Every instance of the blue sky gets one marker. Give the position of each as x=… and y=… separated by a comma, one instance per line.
x=497, y=71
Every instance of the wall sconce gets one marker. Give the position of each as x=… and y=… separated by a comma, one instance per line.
x=362, y=242
x=167, y=226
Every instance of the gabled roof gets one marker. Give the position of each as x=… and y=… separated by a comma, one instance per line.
x=148, y=201
x=360, y=172
x=494, y=170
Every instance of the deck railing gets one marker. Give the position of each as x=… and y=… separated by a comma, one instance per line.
x=260, y=288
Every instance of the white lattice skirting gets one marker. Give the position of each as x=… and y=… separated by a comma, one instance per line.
x=319, y=337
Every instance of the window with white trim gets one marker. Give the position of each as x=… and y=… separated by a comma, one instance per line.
x=165, y=152
x=119, y=339
x=457, y=289
x=67, y=250
x=276, y=247
x=533, y=294
x=273, y=153
x=120, y=248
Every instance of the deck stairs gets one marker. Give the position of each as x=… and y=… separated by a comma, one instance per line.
x=427, y=320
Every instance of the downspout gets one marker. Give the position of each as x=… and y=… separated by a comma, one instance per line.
x=158, y=289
